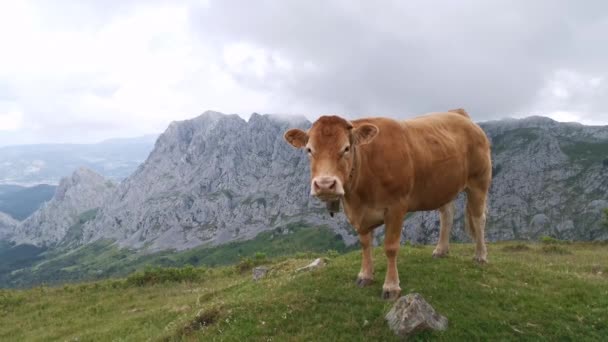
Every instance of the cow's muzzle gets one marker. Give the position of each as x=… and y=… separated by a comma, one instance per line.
x=327, y=188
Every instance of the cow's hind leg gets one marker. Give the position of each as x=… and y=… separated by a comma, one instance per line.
x=476, y=221
x=366, y=275
x=446, y=219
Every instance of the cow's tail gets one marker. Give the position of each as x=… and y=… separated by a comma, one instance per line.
x=460, y=111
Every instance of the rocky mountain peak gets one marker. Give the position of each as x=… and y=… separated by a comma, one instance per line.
x=84, y=190
x=210, y=180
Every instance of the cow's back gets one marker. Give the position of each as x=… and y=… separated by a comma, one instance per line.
x=448, y=151
x=424, y=161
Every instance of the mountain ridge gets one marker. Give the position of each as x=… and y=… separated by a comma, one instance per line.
x=218, y=178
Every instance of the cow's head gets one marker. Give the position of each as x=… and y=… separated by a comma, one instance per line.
x=331, y=145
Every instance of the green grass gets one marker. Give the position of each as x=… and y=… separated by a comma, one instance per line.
x=104, y=259
x=522, y=294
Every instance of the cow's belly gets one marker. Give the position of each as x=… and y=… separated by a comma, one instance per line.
x=364, y=218
x=437, y=188
x=434, y=202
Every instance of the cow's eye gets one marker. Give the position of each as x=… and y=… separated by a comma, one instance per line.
x=309, y=150
x=345, y=150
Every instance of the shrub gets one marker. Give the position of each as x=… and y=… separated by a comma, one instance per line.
x=551, y=240
x=553, y=249
x=248, y=263
x=156, y=275
x=9, y=301
x=332, y=253
x=245, y=265
x=260, y=256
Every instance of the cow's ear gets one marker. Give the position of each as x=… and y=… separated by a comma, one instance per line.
x=365, y=133
x=296, y=137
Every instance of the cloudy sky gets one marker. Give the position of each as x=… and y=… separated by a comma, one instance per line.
x=82, y=71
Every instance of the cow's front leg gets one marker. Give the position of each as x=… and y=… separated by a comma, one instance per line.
x=366, y=275
x=392, y=239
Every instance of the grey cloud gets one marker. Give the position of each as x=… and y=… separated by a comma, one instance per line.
x=398, y=58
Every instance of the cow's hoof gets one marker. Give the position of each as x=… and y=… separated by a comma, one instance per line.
x=391, y=294
x=437, y=253
x=480, y=260
x=363, y=282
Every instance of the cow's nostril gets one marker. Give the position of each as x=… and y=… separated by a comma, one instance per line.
x=333, y=185
x=315, y=185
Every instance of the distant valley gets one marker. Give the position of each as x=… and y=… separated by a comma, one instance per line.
x=115, y=159
x=20, y=202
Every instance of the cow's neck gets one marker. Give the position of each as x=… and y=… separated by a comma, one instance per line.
x=355, y=172
x=355, y=150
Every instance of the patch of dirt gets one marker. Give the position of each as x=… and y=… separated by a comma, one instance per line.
x=203, y=319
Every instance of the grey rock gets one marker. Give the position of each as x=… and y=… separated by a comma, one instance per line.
x=259, y=272
x=412, y=314
x=211, y=180
x=316, y=264
x=84, y=190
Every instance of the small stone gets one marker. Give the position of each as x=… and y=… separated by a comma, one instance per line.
x=259, y=272
x=412, y=314
x=318, y=263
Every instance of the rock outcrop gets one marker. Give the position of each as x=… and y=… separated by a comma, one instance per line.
x=211, y=180
x=316, y=264
x=83, y=191
x=259, y=272
x=411, y=314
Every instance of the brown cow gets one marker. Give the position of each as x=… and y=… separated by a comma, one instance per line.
x=380, y=169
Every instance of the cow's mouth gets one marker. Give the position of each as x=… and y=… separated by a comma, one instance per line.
x=329, y=198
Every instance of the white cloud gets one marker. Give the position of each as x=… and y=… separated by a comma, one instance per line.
x=571, y=96
x=10, y=121
x=84, y=70
x=129, y=75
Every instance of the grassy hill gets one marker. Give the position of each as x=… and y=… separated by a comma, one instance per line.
x=534, y=292
x=24, y=266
